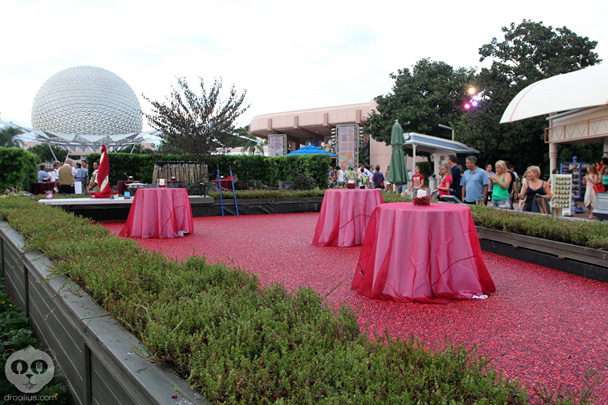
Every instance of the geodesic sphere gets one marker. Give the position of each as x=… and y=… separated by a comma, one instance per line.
x=86, y=100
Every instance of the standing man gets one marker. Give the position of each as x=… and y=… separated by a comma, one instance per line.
x=455, y=188
x=378, y=178
x=85, y=166
x=474, y=182
x=81, y=176
x=93, y=186
x=67, y=177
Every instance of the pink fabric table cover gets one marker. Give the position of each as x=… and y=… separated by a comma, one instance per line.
x=344, y=216
x=159, y=213
x=424, y=254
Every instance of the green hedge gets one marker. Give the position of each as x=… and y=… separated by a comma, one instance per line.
x=18, y=168
x=239, y=342
x=268, y=170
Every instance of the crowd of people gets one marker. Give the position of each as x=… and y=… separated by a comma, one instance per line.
x=363, y=177
x=67, y=175
x=498, y=185
x=596, y=181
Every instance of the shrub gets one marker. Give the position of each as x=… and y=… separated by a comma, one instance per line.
x=303, y=181
x=267, y=170
x=18, y=168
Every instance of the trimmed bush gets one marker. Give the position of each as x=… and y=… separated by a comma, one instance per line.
x=248, y=168
x=18, y=168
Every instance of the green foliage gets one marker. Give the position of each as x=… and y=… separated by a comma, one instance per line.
x=530, y=52
x=429, y=95
x=433, y=93
x=303, y=181
x=18, y=168
x=583, y=233
x=268, y=170
x=7, y=137
x=271, y=170
x=123, y=165
x=197, y=124
x=15, y=334
x=45, y=155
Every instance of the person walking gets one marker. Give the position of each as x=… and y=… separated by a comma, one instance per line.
x=340, y=177
x=474, y=182
x=591, y=180
x=378, y=178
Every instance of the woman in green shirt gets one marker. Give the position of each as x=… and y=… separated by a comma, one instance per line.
x=604, y=175
x=500, y=181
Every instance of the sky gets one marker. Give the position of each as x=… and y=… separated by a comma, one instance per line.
x=287, y=55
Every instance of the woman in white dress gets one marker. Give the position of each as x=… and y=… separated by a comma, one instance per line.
x=591, y=180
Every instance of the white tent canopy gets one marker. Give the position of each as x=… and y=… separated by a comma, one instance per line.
x=581, y=89
x=73, y=141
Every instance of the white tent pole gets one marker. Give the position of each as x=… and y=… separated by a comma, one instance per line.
x=53, y=153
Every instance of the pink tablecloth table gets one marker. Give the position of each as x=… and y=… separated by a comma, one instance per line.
x=344, y=216
x=159, y=213
x=424, y=254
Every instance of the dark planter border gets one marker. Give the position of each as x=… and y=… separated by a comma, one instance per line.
x=256, y=206
x=203, y=207
x=97, y=355
x=582, y=261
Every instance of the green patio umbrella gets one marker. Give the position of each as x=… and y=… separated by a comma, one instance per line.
x=397, y=172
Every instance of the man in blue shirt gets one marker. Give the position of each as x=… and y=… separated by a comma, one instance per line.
x=474, y=182
x=43, y=174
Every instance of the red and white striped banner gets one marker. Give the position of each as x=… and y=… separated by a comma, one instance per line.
x=103, y=178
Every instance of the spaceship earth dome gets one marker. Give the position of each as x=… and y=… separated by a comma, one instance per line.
x=86, y=100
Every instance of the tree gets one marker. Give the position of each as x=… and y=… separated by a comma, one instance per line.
x=530, y=52
x=45, y=155
x=136, y=149
x=196, y=124
x=241, y=139
x=7, y=137
x=431, y=94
